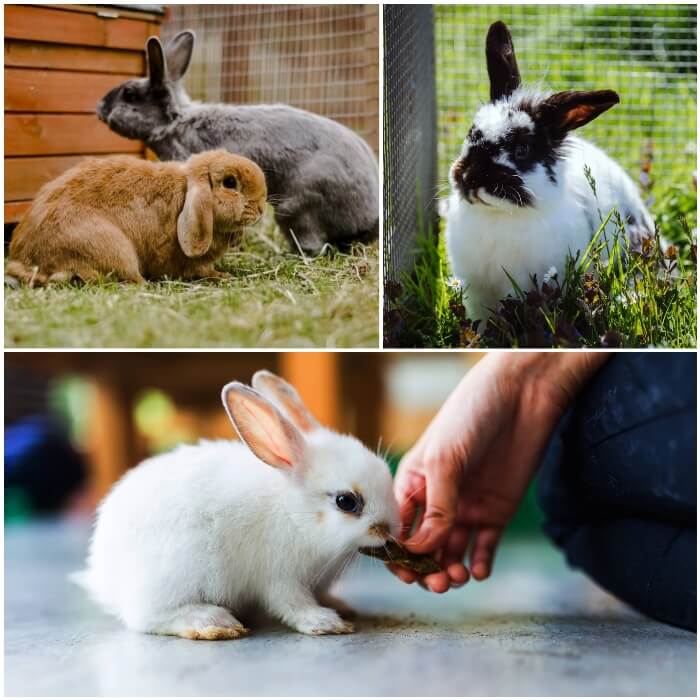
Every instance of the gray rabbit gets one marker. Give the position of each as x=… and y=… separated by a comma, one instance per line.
x=321, y=176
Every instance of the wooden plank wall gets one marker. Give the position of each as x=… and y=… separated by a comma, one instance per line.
x=60, y=61
x=323, y=58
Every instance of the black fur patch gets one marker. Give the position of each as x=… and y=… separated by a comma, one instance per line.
x=135, y=108
x=479, y=170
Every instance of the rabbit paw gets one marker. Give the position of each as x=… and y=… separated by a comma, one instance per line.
x=202, y=622
x=321, y=621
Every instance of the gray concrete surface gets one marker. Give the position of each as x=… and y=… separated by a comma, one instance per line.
x=534, y=629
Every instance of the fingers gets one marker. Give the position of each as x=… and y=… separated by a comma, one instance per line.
x=453, y=556
x=483, y=551
x=441, y=493
x=404, y=574
x=409, y=488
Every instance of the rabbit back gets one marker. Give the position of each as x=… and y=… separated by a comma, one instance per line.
x=183, y=527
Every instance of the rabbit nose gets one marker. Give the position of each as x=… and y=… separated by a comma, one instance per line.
x=380, y=530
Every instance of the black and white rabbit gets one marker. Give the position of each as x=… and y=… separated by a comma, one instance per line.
x=321, y=177
x=520, y=199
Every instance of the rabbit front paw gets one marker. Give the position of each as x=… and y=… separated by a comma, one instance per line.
x=321, y=621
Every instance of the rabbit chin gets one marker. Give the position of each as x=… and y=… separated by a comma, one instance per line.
x=490, y=202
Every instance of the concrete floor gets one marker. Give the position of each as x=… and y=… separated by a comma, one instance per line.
x=534, y=629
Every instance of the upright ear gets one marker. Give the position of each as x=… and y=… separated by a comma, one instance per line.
x=156, y=61
x=268, y=434
x=500, y=61
x=569, y=110
x=285, y=396
x=195, y=224
x=178, y=54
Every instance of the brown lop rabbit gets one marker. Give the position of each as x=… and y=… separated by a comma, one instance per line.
x=131, y=220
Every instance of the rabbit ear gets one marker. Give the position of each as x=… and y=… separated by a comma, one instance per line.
x=178, y=54
x=268, y=434
x=195, y=224
x=500, y=61
x=285, y=396
x=156, y=61
x=569, y=110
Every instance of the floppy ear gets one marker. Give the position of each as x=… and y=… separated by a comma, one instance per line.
x=285, y=396
x=268, y=434
x=500, y=61
x=156, y=61
x=569, y=110
x=195, y=224
x=178, y=54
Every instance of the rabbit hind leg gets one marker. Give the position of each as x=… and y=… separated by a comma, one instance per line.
x=199, y=621
x=105, y=255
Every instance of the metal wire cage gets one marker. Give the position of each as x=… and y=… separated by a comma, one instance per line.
x=409, y=132
x=647, y=53
x=323, y=58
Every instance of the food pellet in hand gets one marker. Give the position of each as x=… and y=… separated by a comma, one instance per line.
x=394, y=553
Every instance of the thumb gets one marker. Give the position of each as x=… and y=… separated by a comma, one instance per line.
x=442, y=485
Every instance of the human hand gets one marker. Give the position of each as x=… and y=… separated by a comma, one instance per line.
x=469, y=470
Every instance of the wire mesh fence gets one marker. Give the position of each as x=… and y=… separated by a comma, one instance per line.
x=409, y=131
x=323, y=58
x=646, y=53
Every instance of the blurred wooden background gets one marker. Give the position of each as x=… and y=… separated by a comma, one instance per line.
x=368, y=394
x=60, y=60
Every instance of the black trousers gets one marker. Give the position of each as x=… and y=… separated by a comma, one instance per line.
x=618, y=484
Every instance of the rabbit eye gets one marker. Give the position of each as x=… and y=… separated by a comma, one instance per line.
x=522, y=150
x=129, y=95
x=349, y=502
x=230, y=182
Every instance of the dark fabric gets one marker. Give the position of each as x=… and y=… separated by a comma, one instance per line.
x=618, y=484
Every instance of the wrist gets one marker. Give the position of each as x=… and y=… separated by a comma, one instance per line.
x=548, y=380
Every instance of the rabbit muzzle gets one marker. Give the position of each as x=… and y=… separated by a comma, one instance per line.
x=481, y=180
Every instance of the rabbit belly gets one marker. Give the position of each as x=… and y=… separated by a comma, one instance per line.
x=480, y=245
x=179, y=529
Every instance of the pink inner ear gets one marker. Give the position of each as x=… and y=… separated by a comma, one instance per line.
x=577, y=115
x=270, y=437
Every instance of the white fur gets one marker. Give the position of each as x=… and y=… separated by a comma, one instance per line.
x=496, y=119
x=189, y=539
x=483, y=240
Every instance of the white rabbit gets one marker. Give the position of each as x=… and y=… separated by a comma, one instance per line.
x=520, y=198
x=189, y=540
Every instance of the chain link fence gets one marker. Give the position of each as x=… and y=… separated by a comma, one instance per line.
x=409, y=131
x=322, y=58
x=647, y=53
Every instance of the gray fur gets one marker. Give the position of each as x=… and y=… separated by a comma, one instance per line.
x=321, y=176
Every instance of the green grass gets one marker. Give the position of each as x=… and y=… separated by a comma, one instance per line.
x=607, y=297
x=274, y=298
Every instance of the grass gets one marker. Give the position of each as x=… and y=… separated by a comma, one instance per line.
x=274, y=298
x=608, y=296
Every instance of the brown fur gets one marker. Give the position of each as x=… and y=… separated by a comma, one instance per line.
x=131, y=219
x=380, y=530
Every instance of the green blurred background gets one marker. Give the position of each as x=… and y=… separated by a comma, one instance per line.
x=648, y=54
